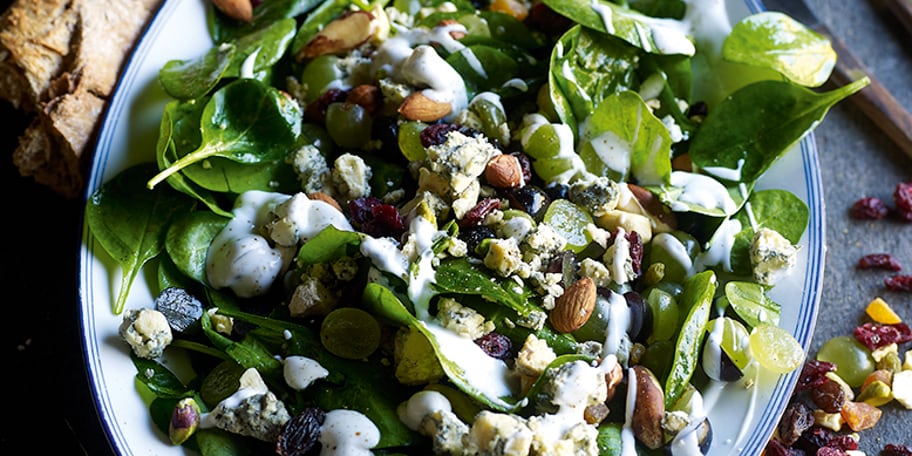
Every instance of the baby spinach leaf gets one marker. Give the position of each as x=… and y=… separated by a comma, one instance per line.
x=316, y=20
x=161, y=381
x=697, y=298
x=249, y=352
x=130, y=221
x=268, y=44
x=586, y=68
x=701, y=194
x=653, y=35
x=245, y=121
x=777, y=41
x=483, y=68
x=623, y=139
x=758, y=123
x=674, y=9
x=461, y=277
x=327, y=246
x=778, y=210
x=188, y=239
x=384, y=303
x=750, y=303
x=194, y=78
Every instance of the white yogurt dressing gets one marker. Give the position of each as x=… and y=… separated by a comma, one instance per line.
x=491, y=376
x=628, y=441
x=348, y=433
x=301, y=371
x=700, y=190
x=720, y=246
x=422, y=404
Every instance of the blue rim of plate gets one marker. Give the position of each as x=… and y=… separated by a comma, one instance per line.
x=769, y=417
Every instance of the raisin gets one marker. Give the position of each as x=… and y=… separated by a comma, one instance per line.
x=796, y=419
x=829, y=397
x=843, y=442
x=477, y=213
x=869, y=208
x=376, y=217
x=316, y=110
x=525, y=163
x=879, y=261
x=814, y=439
x=495, y=345
x=813, y=374
x=300, y=433
x=876, y=335
x=636, y=250
x=899, y=283
x=893, y=449
x=558, y=191
x=436, y=134
x=530, y=199
x=775, y=448
x=473, y=235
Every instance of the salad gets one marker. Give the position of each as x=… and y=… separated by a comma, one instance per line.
x=459, y=228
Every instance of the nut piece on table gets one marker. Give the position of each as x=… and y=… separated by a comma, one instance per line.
x=504, y=171
x=346, y=32
x=573, y=308
x=241, y=10
x=418, y=106
x=649, y=410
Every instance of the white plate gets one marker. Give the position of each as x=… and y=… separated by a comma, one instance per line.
x=742, y=419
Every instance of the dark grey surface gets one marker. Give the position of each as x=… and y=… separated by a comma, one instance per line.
x=48, y=405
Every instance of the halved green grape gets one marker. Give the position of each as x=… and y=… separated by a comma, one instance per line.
x=852, y=359
x=726, y=352
x=658, y=358
x=351, y=333
x=410, y=140
x=775, y=348
x=569, y=220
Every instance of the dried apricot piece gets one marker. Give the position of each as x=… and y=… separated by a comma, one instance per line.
x=881, y=312
x=859, y=415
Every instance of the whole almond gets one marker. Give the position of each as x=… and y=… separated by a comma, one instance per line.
x=574, y=307
x=342, y=34
x=418, y=106
x=504, y=171
x=649, y=408
x=663, y=216
x=241, y=10
x=367, y=96
x=326, y=198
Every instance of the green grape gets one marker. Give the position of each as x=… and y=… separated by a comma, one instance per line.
x=775, y=348
x=658, y=358
x=410, y=140
x=596, y=327
x=318, y=74
x=493, y=119
x=676, y=251
x=852, y=359
x=351, y=333
x=221, y=382
x=569, y=220
x=348, y=124
x=666, y=314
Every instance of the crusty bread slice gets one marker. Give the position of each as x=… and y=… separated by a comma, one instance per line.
x=61, y=60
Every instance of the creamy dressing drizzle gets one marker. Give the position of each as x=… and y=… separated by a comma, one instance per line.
x=628, y=441
x=618, y=325
x=300, y=371
x=720, y=246
x=726, y=173
x=491, y=376
x=669, y=36
x=702, y=191
x=676, y=249
x=347, y=433
x=566, y=152
x=422, y=404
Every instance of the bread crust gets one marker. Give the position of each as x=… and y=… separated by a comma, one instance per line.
x=59, y=61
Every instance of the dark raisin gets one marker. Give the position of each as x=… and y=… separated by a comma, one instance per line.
x=875, y=335
x=541, y=17
x=796, y=419
x=830, y=451
x=376, y=217
x=893, y=449
x=316, y=110
x=360, y=208
x=829, y=397
x=476, y=214
x=300, y=434
x=637, y=306
x=496, y=345
x=436, y=134
x=529, y=199
x=776, y=448
x=814, y=439
x=843, y=442
x=869, y=208
x=879, y=261
x=813, y=374
x=899, y=283
x=180, y=308
x=557, y=191
x=473, y=235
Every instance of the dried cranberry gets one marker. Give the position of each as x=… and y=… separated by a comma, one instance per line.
x=796, y=419
x=899, y=283
x=476, y=214
x=316, y=110
x=843, y=442
x=525, y=163
x=496, y=345
x=636, y=250
x=436, y=134
x=879, y=261
x=869, y=208
x=814, y=439
x=813, y=374
x=300, y=433
x=376, y=218
x=902, y=197
x=776, y=448
x=830, y=451
x=896, y=450
x=876, y=335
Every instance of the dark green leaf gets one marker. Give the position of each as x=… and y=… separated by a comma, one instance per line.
x=778, y=210
x=188, y=240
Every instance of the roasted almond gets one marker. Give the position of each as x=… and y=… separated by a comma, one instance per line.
x=342, y=34
x=663, y=218
x=418, y=106
x=504, y=171
x=649, y=409
x=241, y=10
x=367, y=96
x=326, y=198
x=574, y=307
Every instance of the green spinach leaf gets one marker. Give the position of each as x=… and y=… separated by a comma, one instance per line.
x=778, y=210
x=188, y=239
